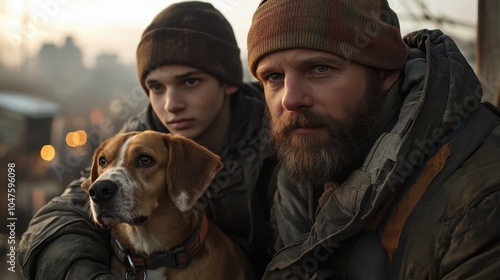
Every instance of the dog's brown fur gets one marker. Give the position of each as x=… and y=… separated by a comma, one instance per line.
x=163, y=193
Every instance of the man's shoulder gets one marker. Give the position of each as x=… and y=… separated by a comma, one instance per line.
x=466, y=189
x=461, y=217
x=477, y=172
x=476, y=175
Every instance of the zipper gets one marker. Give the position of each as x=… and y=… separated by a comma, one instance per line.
x=296, y=243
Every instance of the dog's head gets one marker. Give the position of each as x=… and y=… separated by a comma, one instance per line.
x=135, y=173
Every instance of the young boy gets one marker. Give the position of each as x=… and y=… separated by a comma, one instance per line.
x=188, y=62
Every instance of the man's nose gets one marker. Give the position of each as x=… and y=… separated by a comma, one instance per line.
x=297, y=94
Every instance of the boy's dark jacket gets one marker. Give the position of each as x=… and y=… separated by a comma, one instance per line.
x=426, y=202
x=62, y=243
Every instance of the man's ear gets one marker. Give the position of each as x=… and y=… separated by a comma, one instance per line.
x=190, y=170
x=389, y=78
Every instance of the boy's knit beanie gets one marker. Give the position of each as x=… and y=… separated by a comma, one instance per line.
x=363, y=31
x=194, y=34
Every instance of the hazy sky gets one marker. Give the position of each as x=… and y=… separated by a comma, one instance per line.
x=116, y=26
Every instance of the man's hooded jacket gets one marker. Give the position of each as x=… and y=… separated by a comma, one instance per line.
x=425, y=204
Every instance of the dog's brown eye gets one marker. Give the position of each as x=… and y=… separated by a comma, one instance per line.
x=102, y=162
x=146, y=160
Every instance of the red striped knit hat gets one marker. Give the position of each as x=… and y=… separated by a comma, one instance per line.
x=363, y=31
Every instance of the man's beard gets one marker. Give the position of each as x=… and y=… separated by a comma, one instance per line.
x=311, y=159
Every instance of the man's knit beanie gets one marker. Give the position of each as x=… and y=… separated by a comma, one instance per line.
x=363, y=31
x=194, y=34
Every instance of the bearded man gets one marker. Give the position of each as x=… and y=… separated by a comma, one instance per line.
x=390, y=160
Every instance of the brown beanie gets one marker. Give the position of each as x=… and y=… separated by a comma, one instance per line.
x=193, y=34
x=363, y=31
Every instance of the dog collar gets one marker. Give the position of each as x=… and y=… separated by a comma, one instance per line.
x=177, y=257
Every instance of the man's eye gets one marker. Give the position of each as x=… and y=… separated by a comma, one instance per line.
x=145, y=160
x=274, y=77
x=102, y=162
x=321, y=68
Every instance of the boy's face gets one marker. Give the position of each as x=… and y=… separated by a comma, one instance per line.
x=188, y=101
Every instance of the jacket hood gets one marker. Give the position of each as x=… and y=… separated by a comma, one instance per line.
x=439, y=89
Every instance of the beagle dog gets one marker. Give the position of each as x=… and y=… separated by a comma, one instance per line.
x=145, y=186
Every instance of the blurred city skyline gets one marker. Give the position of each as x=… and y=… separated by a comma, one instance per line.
x=104, y=27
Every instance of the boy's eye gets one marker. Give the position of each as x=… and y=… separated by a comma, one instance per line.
x=155, y=87
x=191, y=82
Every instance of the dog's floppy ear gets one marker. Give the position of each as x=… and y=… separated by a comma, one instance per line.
x=191, y=168
x=93, y=172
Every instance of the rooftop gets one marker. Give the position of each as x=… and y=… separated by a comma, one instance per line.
x=27, y=105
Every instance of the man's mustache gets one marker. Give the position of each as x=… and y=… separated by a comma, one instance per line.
x=305, y=119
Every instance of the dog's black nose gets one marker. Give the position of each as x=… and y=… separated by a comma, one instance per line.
x=102, y=191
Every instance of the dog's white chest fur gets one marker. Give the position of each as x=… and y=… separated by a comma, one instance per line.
x=156, y=274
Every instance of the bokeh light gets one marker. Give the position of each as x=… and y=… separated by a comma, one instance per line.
x=48, y=152
x=76, y=138
x=72, y=139
x=82, y=137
